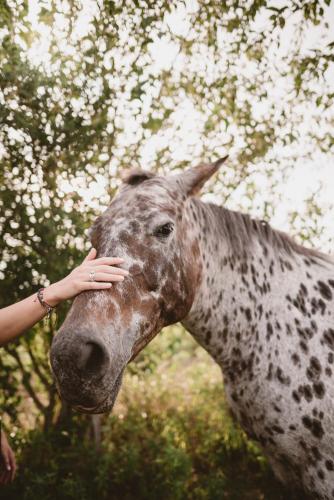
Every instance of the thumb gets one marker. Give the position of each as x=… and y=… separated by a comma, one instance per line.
x=91, y=255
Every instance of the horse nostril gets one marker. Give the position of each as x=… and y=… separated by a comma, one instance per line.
x=92, y=357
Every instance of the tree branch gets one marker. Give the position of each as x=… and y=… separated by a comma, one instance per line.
x=26, y=380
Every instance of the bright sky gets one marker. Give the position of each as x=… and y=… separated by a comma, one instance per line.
x=306, y=176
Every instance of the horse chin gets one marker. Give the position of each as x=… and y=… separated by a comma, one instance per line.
x=107, y=404
x=101, y=408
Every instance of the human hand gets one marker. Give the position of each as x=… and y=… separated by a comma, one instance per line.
x=102, y=269
x=8, y=462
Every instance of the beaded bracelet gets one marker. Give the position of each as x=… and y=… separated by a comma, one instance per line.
x=44, y=304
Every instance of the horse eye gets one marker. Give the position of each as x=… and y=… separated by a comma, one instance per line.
x=164, y=230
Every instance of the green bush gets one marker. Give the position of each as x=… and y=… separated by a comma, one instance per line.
x=158, y=455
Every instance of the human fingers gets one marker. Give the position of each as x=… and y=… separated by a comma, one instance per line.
x=13, y=465
x=6, y=458
x=107, y=277
x=6, y=477
x=108, y=261
x=91, y=255
x=95, y=285
x=109, y=270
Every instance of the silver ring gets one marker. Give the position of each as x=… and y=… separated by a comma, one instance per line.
x=92, y=276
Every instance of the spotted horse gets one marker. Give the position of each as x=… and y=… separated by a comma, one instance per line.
x=259, y=303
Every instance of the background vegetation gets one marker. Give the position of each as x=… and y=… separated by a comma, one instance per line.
x=88, y=89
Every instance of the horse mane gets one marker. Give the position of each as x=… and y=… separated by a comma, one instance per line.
x=241, y=229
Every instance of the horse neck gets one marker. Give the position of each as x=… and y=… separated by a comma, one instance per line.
x=252, y=292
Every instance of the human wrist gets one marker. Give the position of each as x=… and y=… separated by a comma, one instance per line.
x=51, y=295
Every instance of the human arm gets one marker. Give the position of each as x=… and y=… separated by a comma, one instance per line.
x=17, y=318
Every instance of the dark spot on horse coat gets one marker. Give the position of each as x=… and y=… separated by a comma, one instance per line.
x=282, y=378
x=244, y=268
x=295, y=359
x=328, y=337
x=248, y=314
x=306, y=391
x=288, y=329
x=322, y=306
x=318, y=304
x=278, y=429
x=314, y=325
x=316, y=453
x=270, y=372
x=329, y=465
x=305, y=333
x=270, y=331
x=325, y=290
x=303, y=346
x=296, y=396
x=313, y=425
x=314, y=369
x=319, y=389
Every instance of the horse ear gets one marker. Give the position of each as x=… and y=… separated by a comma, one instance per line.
x=137, y=176
x=194, y=179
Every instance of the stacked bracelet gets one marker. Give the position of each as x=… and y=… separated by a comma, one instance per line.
x=43, y=303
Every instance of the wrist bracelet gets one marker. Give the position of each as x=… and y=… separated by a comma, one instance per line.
x=43, y=303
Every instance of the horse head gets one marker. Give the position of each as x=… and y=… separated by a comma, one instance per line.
x=149, y=224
